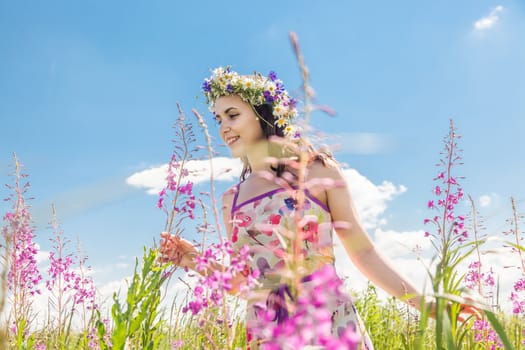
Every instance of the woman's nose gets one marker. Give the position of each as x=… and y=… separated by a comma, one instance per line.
x=225, y=127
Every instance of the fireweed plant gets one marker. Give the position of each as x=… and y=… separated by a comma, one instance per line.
x=477, y=278
x=217, y=264
x=138, y=322
x=72, y=291
x=23, y=276
x=453, y=245
x=481, y=282
x=517, y=294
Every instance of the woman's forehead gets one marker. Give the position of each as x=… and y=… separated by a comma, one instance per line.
x=224, y=103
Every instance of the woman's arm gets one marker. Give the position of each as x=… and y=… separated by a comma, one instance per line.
x=358, y=245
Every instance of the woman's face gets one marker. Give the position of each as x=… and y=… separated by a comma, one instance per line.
x=239, y=125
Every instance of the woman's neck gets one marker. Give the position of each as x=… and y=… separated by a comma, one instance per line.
x=258, y=157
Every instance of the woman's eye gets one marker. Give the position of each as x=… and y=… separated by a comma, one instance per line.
x=232, y=116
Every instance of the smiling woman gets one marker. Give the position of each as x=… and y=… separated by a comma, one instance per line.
x=289, y=202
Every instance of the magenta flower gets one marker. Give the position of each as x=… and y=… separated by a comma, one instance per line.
x=484, y=333
x=519, y=285
x=23, y=276
x=305, y=320
x=212, y=288
x=448, y=195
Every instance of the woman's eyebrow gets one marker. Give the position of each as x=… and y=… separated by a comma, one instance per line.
x=227, y=110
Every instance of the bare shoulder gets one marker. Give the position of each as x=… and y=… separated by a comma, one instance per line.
x=322, y=178
x=227, y=198
x=328, y=169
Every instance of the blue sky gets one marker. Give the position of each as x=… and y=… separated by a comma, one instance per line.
x=88, y=94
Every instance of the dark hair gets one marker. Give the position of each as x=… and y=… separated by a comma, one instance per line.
x=267, y=122
x=269, y=128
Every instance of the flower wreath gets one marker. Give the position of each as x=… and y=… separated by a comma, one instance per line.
x=256, y=90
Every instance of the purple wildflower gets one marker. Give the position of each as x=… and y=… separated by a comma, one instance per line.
x=279, y=88
x=483, y=332
x=206, y=86
x=212, y=288
x=268, y=97
x=308, y=320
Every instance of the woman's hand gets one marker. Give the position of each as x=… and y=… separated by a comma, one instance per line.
x=177, y=250
x=464, y=309
x=469, y=309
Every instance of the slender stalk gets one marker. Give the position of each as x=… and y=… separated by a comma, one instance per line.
x=476, y=240
x=209, y=148
x=180, y=174
x=515, y=230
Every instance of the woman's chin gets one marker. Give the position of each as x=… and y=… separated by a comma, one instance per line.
x=237, y=152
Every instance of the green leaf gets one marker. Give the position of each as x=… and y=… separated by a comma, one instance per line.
x=496, y=325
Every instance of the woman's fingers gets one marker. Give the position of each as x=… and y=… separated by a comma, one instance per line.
x=471, y=310
x=176, y=249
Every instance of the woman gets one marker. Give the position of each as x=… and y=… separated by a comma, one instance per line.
x=269, y=211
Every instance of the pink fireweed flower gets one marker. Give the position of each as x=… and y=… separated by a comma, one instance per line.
x=177, y=193
x=518, y=303
x=94, y=340
x=212, y=288
x=307, y=320
x=441, y=175
x=448, y=192
x=23, y=273
x=483, y=332
x=475, y=278
x=519, y=285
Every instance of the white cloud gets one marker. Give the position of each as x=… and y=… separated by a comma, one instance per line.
x=485, y=200
x=360, y=143
x=490, y=20
x=370, y=199
x=401, y=244
x=42, y=256
x=154, y=179
x=397, y=248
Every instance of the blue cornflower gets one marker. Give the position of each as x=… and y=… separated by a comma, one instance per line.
x=206, y=86
x=272, y=76
x=268, y=96
x=279, y=88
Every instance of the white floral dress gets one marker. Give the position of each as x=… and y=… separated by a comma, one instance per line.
x=261, y=223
